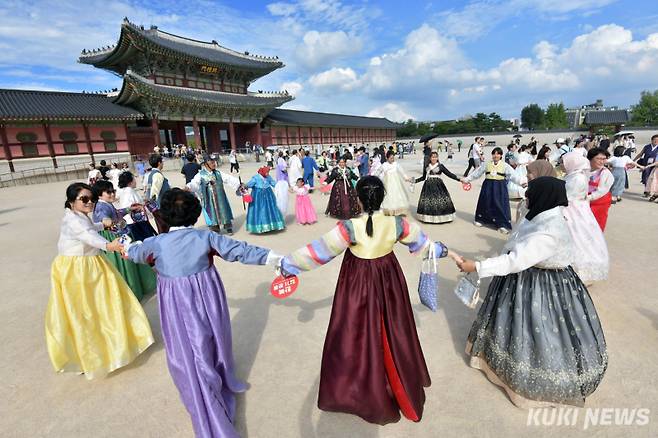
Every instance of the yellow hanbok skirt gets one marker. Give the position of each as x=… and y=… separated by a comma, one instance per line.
x=94, y=323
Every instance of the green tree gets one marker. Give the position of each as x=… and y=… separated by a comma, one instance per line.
x=532, y=116
x=645, y=113
x=556, y=116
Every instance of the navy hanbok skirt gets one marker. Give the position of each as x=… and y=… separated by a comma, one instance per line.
x=493, y=205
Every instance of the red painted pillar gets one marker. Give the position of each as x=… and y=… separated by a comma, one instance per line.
x=156, y=131
x=85, y=128
x=5, y=146
x=197, y=134
x=287, y=137
x=259, y=135
x=231, y=134
x=299, y=136
x=49, y=139
x=321, y=137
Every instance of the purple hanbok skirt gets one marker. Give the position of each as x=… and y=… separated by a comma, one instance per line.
x=196, y=328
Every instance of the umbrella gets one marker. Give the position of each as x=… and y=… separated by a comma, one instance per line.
x=517, y=136
x=427, y=137
x=624, y=133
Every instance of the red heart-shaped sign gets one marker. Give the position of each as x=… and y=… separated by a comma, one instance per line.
x=283, y=287
x=466, y=186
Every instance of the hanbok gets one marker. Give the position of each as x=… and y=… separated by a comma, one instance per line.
x=396, y=200
x=591, y=261
x=435, y=205
x=209, y=186
x=294, y=170
x=263, y=215
x=281, y=186
x=372, y=362
x=140, y=277
x=94, y=323
x=139, y=227
x=514, y=190
x=304, y=210
x=537, y=334
x=343, y=202
x=195, y=319
x=493, y=204
x=600, y=198
x=619, y=165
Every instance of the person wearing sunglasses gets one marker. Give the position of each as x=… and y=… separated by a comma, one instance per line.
x=140, y=278
x=90, y=299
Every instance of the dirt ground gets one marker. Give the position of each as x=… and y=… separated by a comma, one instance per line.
x=278, y=343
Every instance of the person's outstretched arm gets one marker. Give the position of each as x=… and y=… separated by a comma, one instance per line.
x=320, y=251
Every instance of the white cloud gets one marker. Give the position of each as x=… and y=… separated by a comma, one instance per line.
x=478, y=18
x=292, y=87
x=335, y=79
x=282, y=9
x=391, y=111
x=324, y=48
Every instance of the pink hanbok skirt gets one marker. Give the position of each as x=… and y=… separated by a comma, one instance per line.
x=304, y=210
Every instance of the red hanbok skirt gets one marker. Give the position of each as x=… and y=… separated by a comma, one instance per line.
x=372, y=362
x=600, y=208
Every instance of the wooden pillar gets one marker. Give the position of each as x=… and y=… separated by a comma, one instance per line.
x=49, y=139
x=321, y=137
x=259, y=135
x=167, y=138
x=231, y=134
x=85, y=128
x=197, y=134
x=156, y=131
x=5, y=146
x=299, y=136
x=287, y=137
x=181, y=135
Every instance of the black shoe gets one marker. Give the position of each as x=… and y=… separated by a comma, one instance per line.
x=229, y=230
x=215, y=229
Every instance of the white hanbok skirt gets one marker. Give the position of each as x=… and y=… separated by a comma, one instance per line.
x=281, y=193
x=396, y=200
x=592, y=261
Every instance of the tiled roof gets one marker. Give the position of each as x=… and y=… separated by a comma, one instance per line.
x=185, y=47
x=611, y=117
x=51, y=105
x=144, y=85
x=308, y=118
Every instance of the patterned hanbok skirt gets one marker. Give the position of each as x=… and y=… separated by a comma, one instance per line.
x=538, y=336
x=435, y=205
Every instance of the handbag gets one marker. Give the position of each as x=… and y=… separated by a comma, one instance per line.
x=468, y=290
x=428, y=284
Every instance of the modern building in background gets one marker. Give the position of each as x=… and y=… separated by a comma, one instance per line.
x=170, y=84
x=595, y=114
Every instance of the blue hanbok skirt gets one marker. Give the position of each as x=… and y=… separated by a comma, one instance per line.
x=493, y=205
x=263, y=214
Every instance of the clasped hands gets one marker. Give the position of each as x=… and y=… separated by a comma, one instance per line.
x=462, y=263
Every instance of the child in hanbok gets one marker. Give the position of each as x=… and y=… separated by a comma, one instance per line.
x=304, y=210
x=435, y=205
x=139, y=227
x=194, y=314
x=493, y=207
x=395, y=180
x=591, y=262
x=94, y=323
x=537, y=334
x=372, y=362
x=343, y=202
x=140, y=277
x=263, y=214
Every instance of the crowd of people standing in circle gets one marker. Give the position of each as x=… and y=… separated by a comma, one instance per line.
x=537, y=334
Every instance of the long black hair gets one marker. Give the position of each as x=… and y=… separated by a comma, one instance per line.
x=72, y=192
x=370, y=191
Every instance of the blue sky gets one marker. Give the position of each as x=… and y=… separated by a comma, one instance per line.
x=426, y=60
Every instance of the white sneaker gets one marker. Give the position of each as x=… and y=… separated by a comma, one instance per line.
x=503, y=230
x=477, y=224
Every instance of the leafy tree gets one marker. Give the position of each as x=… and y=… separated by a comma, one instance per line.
x=645, y=113
x=556, y=116
x=532, y=116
